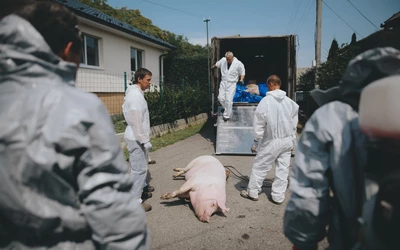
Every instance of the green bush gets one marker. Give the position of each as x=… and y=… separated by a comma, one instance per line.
x=177, y=103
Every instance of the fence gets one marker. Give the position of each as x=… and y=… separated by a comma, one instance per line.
x=111, y=87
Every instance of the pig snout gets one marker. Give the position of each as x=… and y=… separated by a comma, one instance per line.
x=208, y=208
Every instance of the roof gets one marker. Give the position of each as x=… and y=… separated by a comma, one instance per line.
x=95, y=15
x=393, y=19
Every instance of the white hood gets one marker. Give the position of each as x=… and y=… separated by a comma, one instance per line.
x=278, y=94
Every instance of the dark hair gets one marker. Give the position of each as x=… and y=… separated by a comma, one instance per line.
x=55, y=23
x=274, y=79
x=8, y=7
x=141, y=73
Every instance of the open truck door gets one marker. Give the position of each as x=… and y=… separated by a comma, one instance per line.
x=262, y=56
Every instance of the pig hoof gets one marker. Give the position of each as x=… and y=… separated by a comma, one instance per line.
x=178, y=174
x=166, y=196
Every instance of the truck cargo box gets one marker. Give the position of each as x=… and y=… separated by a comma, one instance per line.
x=262, y=56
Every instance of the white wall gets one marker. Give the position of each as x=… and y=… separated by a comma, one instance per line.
x=114, y=59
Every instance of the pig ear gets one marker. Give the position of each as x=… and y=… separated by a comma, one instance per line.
x=222, y=207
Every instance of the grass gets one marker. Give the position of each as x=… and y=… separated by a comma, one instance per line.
x=119, y=126
x=172, y=137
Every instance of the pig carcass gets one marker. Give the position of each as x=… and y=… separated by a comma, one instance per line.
x=205, y=186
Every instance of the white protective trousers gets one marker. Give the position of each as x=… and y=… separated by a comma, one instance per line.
x=225, y=97
x=275, y=121
x=138, y=160
x=278, y=152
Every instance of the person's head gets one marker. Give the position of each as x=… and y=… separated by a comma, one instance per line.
x=229, y=57
x=143, y=78
x=273, y=82
x=57, y=25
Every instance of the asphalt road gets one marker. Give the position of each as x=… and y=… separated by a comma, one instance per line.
x=173, y=224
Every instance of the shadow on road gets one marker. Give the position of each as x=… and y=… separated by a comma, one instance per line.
x=177, y=202
x=208, y=131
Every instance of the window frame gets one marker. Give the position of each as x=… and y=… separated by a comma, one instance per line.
x=84, y=51
x=136, y=58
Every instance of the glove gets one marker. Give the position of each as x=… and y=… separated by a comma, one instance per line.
x=254, y=147
x=147, y=146
x=241, y=82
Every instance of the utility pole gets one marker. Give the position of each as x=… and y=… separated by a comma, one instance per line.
x=206, y=20
x=318, y=39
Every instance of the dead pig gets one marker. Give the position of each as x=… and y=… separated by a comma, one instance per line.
x=205, y=186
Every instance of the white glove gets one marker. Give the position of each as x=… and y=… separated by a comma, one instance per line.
x=254, y=147
x=148, y=146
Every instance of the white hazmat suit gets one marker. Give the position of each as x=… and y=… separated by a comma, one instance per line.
x=227, y=87
x=137, y=134
x=275, y=122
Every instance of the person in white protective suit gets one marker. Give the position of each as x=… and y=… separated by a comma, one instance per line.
x=275, y=122
x=322, y=182
x=137, y=133
x=63, y=182
x=231, y=70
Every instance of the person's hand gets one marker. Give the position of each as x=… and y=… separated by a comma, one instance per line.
x=148, y=146
x=254, y=147
x=241, y=82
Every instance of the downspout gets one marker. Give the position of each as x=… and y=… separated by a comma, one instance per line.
x=161, y=76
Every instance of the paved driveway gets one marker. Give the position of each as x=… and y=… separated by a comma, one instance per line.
x=173, y=225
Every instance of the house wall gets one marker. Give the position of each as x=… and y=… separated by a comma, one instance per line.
x=113, y=102
x=114, y=59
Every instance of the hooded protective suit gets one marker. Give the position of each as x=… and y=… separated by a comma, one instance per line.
x=137, y=133
x=331, y=145
x=229, y=78
x=275, y=122
x=62, y=181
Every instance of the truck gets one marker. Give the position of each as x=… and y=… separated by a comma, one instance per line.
x=262, y=56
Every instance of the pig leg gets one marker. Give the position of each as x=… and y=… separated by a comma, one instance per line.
x=181, y=171
x=181, y=192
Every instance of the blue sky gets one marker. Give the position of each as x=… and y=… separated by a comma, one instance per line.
x=267, y=17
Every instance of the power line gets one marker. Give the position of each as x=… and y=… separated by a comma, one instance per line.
x=301, y=18
x=363, y=15
x=342, y=19
x=294, y=11
x=182, y=11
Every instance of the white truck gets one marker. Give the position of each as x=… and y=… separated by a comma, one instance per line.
x=262, y=56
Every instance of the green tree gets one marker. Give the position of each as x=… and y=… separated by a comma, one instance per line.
x=333, y=49
x=353, y=39
x=307, y=80
x=330, y=72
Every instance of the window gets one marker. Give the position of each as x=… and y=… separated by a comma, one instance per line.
x=90, y=50
x=136, y=59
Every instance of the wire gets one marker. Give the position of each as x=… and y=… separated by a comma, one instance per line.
x=182, y=11
x=240, y=176
x=293, y=14
x=363, y=15
x=342, y=19
x=302, y=17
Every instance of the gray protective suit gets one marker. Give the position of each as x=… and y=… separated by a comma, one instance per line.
x=62, y=173
x=330, y=147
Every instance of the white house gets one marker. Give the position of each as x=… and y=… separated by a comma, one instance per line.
x=111, y=51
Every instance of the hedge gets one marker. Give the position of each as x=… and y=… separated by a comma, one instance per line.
x=177, y=103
